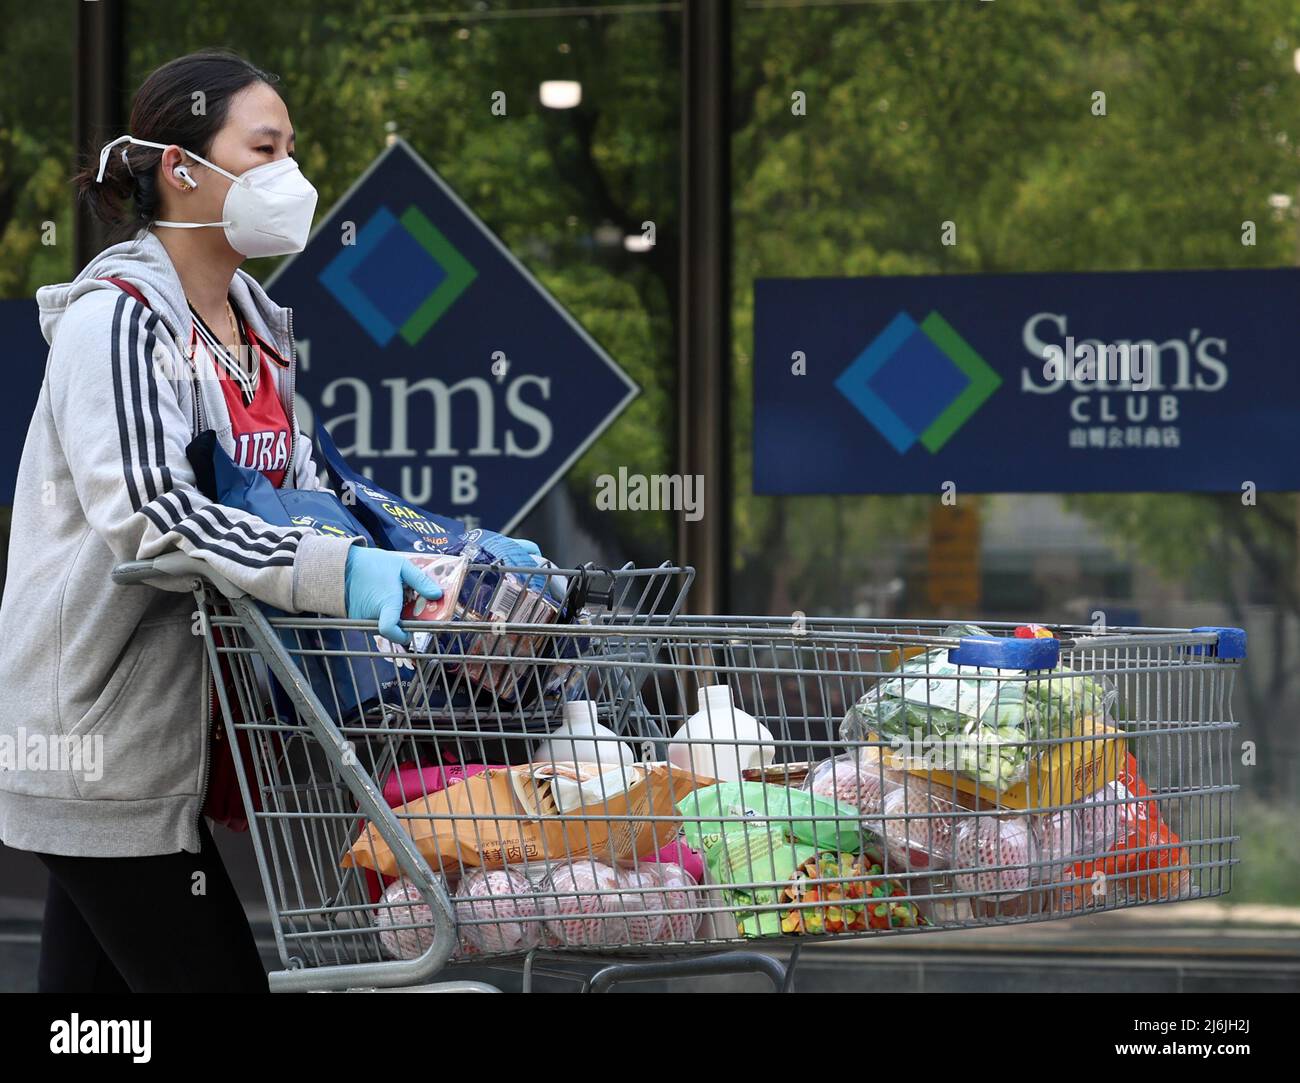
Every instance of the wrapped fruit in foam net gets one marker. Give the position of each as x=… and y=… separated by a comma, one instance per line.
x=917, y=824
x=645, y=889
x=497, y=912
x=677, y=894
x=681, y=895
x=1110, y=815
x=858, y=779
x=991, y=855
x=1058, y=836
x=585, y=907
x=404, y=920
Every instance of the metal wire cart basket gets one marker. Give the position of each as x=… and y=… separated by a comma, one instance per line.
x=603, y=775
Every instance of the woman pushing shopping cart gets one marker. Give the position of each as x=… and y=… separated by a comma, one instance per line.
x=160, y=338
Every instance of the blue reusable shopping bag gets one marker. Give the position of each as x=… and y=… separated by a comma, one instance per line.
x=348, y=684
x=396, y=524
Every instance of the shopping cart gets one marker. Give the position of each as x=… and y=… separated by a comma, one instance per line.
x=674, y=795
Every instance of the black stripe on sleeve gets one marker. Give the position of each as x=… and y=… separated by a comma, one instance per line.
x=217, y=512
x=137, y=405
x=237, y=557
x=197, y=522
x=160, y=446
x=123, y=433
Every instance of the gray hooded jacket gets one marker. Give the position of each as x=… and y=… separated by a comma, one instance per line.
x=104, y=478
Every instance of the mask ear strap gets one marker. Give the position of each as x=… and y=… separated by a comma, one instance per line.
x=103, y=156
x=190, y=225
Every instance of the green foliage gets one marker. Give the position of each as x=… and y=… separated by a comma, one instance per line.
x=1269, y=854
x=983, y=115
x=917, y=114
x=35, y=146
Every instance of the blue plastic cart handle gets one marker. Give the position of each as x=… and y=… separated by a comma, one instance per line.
x=1003, y=652
x=1231, y=645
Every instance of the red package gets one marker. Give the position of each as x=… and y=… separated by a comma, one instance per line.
x=1141, y=827
x=449, y=573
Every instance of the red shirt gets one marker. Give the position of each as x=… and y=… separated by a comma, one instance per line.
x=259, y=427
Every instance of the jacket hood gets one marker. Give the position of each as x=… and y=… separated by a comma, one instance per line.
x=144, y=262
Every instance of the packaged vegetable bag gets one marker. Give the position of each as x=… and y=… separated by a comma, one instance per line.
x=976, y=720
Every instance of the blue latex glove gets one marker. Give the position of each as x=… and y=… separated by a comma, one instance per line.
x=373, y=587
x=557, y=586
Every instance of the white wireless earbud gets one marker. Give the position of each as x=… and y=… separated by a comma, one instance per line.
x=182, y=173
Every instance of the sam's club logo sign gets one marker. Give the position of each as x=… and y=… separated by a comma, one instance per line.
x=399, y=277
x=918, y=383
x=439, y=365
x=1093, y=382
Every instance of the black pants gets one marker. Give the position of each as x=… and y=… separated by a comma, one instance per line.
x=166, y=924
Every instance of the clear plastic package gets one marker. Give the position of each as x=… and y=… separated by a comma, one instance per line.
x=917, y=825
x=858, y=778
x=673, y=889
x=985, y=719
x=585, y=907
x=644, y=885
x=1108, y=815
x=1058, y=838
x=404, y=920
x=991, y=856
x=449, y=573
x=682, y=893
x=496, y=911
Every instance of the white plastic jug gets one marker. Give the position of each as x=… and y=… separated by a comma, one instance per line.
x=720, y=720
x=564, y=744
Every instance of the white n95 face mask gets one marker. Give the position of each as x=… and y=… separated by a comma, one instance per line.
x=268, y=209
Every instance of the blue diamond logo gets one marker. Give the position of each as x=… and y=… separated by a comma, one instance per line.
x=918, y=382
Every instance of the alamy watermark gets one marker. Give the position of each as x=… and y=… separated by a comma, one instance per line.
x=24, y=751
x=1124, y=363
x=653, y=492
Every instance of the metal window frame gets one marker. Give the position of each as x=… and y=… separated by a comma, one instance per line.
x=704, y=349
x=98, y=66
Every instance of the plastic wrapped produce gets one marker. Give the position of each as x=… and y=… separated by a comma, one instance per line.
x=991, y=855
x=982, y=717
x=1110, y=814
x=401, y=907
x=1144, y=856
x=490, y=920
x=679, y=894
x=851, y=896
x=1059, y=836
x=858, y=779
x=917, y=826
x=585, y=908
x=645, y=887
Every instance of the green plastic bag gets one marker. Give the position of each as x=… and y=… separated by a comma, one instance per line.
x=755, y=856
x=808, y=818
